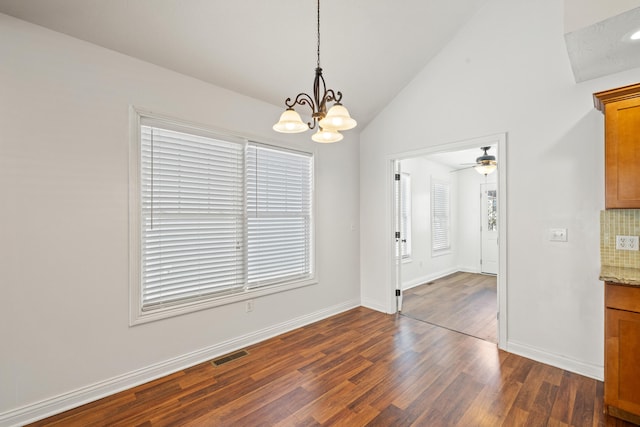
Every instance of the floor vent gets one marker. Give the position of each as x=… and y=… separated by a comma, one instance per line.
x=229, y=357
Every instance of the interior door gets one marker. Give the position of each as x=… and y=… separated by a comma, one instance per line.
x=489, y=228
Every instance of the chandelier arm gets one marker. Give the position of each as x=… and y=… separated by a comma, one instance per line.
x=304, y=99
x=332, y=96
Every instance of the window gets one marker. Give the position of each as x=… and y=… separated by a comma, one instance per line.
x=440, y=229
x=216, y=217
x=279, y=215
x=405, y=215
x=492, y=210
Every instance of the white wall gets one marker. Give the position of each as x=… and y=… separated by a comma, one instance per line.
x=508, y=71
x=423, y=266
x=64, y=135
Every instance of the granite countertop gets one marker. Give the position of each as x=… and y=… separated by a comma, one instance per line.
x=624, y=275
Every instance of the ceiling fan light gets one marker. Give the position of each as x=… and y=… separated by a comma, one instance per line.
x=326, y=136
x=485, y=168
x=290, y=122
x=338, y=118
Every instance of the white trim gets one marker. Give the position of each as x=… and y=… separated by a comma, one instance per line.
x=190, y=307
x=568, y=364
x=92, y=392
x=375, y=305
x=428, y=278
x=503, y=254
x=471, y=269
x=134, y=215
x=441, y=252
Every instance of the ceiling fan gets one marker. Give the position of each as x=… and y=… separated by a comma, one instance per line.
x=486, y=163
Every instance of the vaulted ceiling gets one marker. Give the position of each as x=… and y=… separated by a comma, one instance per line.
x=266, y=49
x=370, y=49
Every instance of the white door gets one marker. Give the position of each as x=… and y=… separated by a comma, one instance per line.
x=489, y=228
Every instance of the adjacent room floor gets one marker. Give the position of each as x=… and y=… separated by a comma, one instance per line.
x=462, y=302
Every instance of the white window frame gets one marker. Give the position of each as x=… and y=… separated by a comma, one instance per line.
x=136, y=314
x=437, y=247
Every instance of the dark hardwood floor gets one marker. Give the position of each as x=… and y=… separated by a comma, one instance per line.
x=359, y=368
x=463, y=302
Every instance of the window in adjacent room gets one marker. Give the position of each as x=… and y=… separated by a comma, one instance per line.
x=440, y=217
x=405, y=216
x=217, y=218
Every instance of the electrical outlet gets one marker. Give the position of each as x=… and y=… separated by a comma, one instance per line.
x=627, y=243
x=249, y=306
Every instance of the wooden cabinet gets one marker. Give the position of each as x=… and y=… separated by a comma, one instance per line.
x=622, y=351
x=621, y=108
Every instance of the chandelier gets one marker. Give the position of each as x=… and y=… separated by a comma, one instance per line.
x=330, y=123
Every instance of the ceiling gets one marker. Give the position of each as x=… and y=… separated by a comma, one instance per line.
x=370, y=49
x=605, y=47
x=461, y=159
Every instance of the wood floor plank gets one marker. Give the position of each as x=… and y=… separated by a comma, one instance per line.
x=359, y=368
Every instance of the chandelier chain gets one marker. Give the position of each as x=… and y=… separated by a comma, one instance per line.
x=318, y=33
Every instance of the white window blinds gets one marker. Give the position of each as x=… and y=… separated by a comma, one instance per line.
x=192, y=216
x=440, y=239
x=218, y=216
x=279, y=232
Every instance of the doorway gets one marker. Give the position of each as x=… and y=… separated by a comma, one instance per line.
x=455, y=264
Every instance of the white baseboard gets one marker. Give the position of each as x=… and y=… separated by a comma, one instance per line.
x=428, y=278
x=90, y=393
x=374, y=305
x=562, y=362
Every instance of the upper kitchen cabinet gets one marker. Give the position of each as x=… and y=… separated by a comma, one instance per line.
x=621, y=108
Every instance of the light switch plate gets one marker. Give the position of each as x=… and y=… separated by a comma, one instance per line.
x=558, y=234
x=627, y=243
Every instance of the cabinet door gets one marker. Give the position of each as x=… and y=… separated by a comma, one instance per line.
x=622, y=360
x=622, y=154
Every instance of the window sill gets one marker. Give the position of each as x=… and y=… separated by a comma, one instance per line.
x=139, y=317
x=441, y=253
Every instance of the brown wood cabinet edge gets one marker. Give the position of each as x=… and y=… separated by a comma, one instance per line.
x=600, y=99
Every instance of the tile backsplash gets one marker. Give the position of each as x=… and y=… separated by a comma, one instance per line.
x=618, y=222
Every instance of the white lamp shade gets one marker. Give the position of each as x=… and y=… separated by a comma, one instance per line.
x=327, y=136
x=290, y=122
x=485, y=168
x=338, y=118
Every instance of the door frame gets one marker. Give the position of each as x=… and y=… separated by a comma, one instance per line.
x=500, y=141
